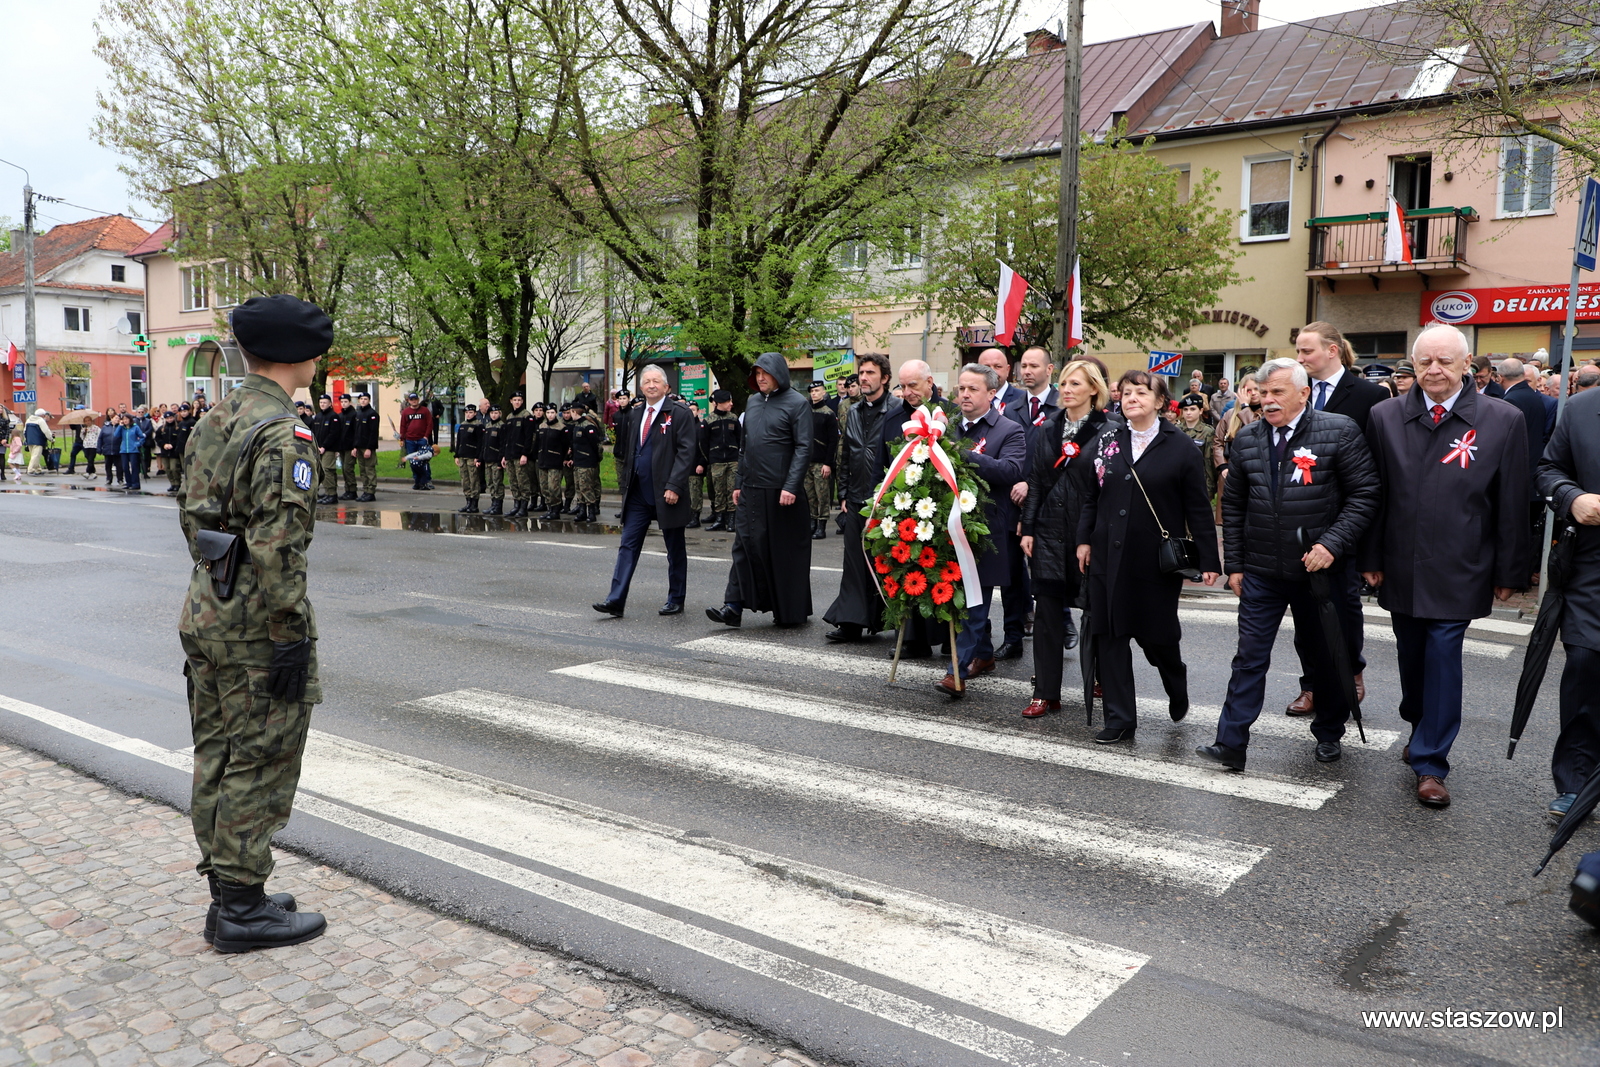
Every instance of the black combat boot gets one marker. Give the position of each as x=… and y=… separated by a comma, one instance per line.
x=716, y=521
x=282, y=900
x=693, y=523
x=819, y=530
x=366, y=498
x=552, y=514
x=497, y=507
x=516, y=509
x=348, y=494
x=246, y=919
x=471, y=508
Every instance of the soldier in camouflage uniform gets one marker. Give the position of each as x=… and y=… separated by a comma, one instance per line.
x=588, y=438
x=365, y=431
x=550, y=447
x=469, y=457
x=328, y=426
x=494, y=460
x=519, y=469
x=251, y=658
x=824, y=454
x=720, y=438
x=697, y=481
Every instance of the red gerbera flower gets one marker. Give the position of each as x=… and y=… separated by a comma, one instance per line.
x=951, y=571
x=901, y=552
x=881, y=564
x=915, y=583
x=928, y=557
x=891, y=588
x=908, y=529
x=870, y=524
x=942, y=592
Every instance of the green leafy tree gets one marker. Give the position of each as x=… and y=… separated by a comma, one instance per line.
x=1150, y=260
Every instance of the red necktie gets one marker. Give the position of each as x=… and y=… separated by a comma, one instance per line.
x=1033, y=403
x=1438, y=414
x=644, y=432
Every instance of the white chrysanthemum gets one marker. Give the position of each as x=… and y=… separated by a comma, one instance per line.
x=926, y=507
x=902, y=501
x=967, y=501
x=924, y=531
x=913, y=473
x=919, y=453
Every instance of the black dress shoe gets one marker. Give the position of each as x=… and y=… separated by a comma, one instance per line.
x=610, y=607
x=845, y=634
x=1178, y=709
x=1071, y=642
x=1328, y=751
x=726, y=615
x=1111, y=735
x=670, y=608
x=1009, y=651
x=1231, y=758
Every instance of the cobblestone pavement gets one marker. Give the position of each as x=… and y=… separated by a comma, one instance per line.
x=102, y=962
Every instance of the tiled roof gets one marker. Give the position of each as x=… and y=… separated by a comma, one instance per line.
x=114, y=290
x=1283, y=73
x=65, y=243
x=156, y=242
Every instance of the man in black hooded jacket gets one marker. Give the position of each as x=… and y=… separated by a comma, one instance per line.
x=772, y=537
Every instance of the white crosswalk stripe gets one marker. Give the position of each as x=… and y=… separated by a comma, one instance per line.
x=1373, y=631
x=878, y=670
x=677, y=888
x=1207, y=864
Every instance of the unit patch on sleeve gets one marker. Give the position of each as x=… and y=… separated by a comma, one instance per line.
x=301, y=473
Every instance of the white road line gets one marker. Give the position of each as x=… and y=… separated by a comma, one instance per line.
x=472, y=537
x=1208, y=864
x=567, y=544
x=163, y=507
x=835, y=570
x=499, y=607
x=1488, y=624
x=124, y=551
x=702, y=559
x=1488, y=649
x=878, y=670
x=1036, y=976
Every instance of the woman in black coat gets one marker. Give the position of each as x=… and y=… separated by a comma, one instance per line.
x=1119, y=538
x=1057, y=471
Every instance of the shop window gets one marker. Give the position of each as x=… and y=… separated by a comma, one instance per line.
x=1527, y=176
x=1266, y=198
x=1391, y=345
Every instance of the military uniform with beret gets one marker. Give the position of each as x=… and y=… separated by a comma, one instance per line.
x=469, y=457
x=1202, y=434
x=588, y=446
x=519, y=467
x=250, y=650
x=495, y=439
x=328, y=426
x=365, y=432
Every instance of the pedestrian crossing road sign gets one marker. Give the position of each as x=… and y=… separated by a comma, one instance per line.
x=1587, y=245
x=24, y=396
x=1169, y=364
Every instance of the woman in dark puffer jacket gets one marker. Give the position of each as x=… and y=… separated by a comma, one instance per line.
x=1057, y=467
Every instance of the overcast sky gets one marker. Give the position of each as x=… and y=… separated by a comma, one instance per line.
x=52, y=75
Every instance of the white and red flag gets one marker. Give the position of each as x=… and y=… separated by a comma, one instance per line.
x=13, y=356
x=1075, y=308
x=1396, y=238
x=1008, y=310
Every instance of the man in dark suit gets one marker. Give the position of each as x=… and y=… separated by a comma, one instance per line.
x=998, y=447
x=1569, y=478
x=1521, y=394
x=1453, y=534
x=1028, y=406
x=1483, y=375
x=1293, y=469
x=1336, y=387
x=657, y=442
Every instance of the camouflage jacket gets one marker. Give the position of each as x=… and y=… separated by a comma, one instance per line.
x=272, y=509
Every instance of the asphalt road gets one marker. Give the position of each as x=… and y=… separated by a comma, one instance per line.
x=757, y=821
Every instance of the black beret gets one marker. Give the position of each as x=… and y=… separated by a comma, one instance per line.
x=494, y=407
x=818, y=383
x=282, y=328
x=183, y=407
x=721, y=396
x=1192, y=400
x=324, y=396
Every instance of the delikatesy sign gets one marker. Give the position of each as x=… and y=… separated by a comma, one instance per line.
x=1509, y=305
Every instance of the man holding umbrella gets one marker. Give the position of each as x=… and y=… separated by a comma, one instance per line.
x=1295, y=471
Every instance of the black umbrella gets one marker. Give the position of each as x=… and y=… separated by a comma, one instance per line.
x=1333, y=633
x=1086, y=651
x=1542, y=641
x=1582, y=807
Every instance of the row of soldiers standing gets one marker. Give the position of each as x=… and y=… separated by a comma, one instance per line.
x=346, y=436
x=536, y=450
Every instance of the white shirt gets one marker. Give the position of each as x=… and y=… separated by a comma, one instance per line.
x=1448, y=402
x=651, y=413
x=1330, y=383
x=1287, y=430
x=1142, y=438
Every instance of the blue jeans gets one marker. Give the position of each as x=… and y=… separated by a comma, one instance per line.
x=421, y=473
x=130, y=469
x=972, y=642
x=1429, y=653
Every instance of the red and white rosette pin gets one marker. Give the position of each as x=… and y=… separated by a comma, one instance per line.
x=1462, y=450
x=1304, y=461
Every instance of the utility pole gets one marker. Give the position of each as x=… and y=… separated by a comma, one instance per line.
x=30, y=325
x=1067, y=228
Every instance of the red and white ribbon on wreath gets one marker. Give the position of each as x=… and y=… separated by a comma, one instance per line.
x=925, y=427
x=1462, y=449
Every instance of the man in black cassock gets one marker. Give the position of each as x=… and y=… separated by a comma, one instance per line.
x=772, y=530
x=873, y=419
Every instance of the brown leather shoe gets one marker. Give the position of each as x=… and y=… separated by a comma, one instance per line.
x=1300, y=705
x=1361, y=689
x=1431, y=791
x=1405, y=754
x=1038, y=706
x=980, y=666
x=951, y=686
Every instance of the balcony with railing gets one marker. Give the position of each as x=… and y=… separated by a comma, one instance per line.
x=1351, y=246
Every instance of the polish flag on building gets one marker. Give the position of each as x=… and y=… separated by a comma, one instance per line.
x=13, y=356
x=1075, y=306
x=1396, y=239
x=1008, y=310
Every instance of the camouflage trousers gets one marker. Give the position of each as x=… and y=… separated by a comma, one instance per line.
x=328, y=468
x=174, y=469
x=722, y=475
x=494, y=480
x=471, y=478
x=362, y=468
x=571, y=484
x=697, y=492
x=588, y=479
x=817, y=493
x=520, y=476
x=550, y=486
x=247, y=750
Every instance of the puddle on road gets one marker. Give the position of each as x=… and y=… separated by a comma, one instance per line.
x=454, y=523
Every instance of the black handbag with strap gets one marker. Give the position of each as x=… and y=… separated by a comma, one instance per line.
x=1176, y=554
x=222, y=553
